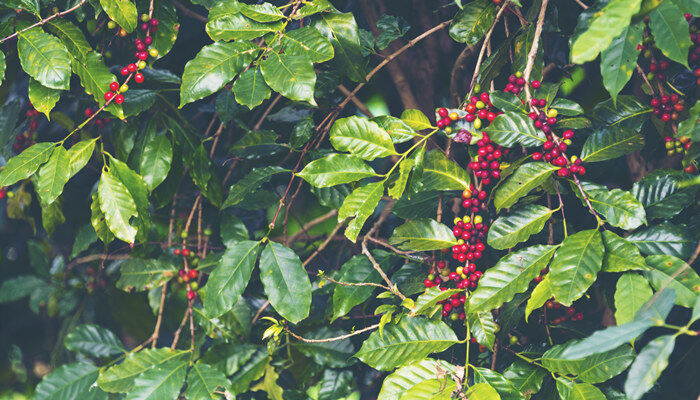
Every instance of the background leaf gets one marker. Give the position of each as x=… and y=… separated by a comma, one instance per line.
x=286, y=283
x=576, y=265
x=517, y=225
x=93, y=340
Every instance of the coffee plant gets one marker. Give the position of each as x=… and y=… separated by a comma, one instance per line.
x=349, y=199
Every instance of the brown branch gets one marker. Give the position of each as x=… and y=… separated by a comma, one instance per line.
x=379, y=285
x=176, y=337
x=644, y=77
x=324, y=244
x=189, y=12
x=333, y=339
x=459, y=66
x=533, y=52
x=316, y=221
x=359, y=104
x=480, y=58
x=98, y=257
x=159, y=320
x=47, y=19
x=267, y=112
x=260, y=311
x=580, y=3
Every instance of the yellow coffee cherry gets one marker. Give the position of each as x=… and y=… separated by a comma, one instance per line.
x=552, y=113
x=457, y=219
x=466, y=219
x=477, y=123
x=454, y=116
x=478, y=219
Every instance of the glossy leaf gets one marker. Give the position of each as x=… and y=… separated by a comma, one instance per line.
x=412, y=339
x=602, y=28
x=120, y=378
x=20, y=286
x=676, y=274
x=430, y=389
x=618, y=62
x=79, y=155
x=250, y=88
x=576, y=265
x=250, y=183
x=23, y=165
x=213, y=67
x=160, y=382
x=441, y=173
x=335, y=354
x=527, y=378
x=95, y=78
x=360, y=204
x=44, y=58
x=569, y=390
x=53, y=175
x=341, y=30
x=356, y=270
x=335, y=169
x=540, y=294
x=611, y=142
x=668, y=27
x=118, y=206
x=627, y=112
x=98, y=220
x=594, y=368
x=252, y=370
x=285, y=281
x=621, y=255
x=426, y=302
x=404, y=378
x=138, y=190
x=70, y=381
x=203, y=381
x=361, y=137
x=307, y=42
x=71, y=36
x=123, y=12
x=144, y=274
x=527, y=177
x=93, y=340
x=42, y=98
x=225, y=22
x=511, y=275
x=648, y=366
x=230, y=278
x=423, y=235
x=661, y=194
x=472, y=22
x=511, y=128
x=517, y=225
x=416, y=119
x=483, y=327
x=620, y=208
x=155, y=160
x=667, y=238
x=292, y=76
x=567, y=107
x=631, y=293
x=503, y=386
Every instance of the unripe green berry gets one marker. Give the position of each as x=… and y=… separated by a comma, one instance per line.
x=519, y=74
x=144, y=18
x=111, y=25
x=454, y=316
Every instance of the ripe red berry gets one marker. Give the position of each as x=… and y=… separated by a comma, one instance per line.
x=132, y=67
x=568, y=134
x=119, y=99
x=108, y=96
x=138, y=78
x=192, y=273
x=537, y=156
x=148, y=40
x=535, y=84
x=655, y=102
x=114, y=86
x=153, y=22
x=190, y=295
x=177, y=252
x=88, y=112
x=143, y=56
x=442, y=112
x=185, y=252
x=125, y=71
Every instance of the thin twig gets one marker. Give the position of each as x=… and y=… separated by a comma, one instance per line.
x=382, y=217
x=267, y=112
x=533, y=52
x=360, y=105
x=47, y=19
x=379, y=285
x=260, y=311
x=159, y=320
x=644, y=77
x=324, y=244
x=480, y=58
x=189, y=12
x=333, y=339
x=580, y=3
x=316, y=221
x=176, y=337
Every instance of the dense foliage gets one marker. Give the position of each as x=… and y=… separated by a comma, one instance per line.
x=211, y=199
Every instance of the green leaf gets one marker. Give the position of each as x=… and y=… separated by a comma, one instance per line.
x=356, y=270
x=540, y=294
x=631, y=292
x=120, y=378
x=98, y=220
x=306, y=42
x=213, y=67
x=292, y=76
x=611, y=142
x=661, y=194
x=203, y=381
x=71, y=36
x=341, y=30
x=566, y=107
x=18, y=287
x=518, y=225
x=42, y=98
x=44, y=58
x=602, y=28
x=224, y=25
x=648, y=366
x=161, y=382
x=668, y=26
x=230, y=278
x=412, y=339
x=423, y=235
x=335, y=354
x=511, y=128
x=250, y=183
x=653, y=313
x=617, y=62
x=527, y=177
x=676, y=274
x=431, y=389
x=404, y=378
x=527, y=378
x=2, y=66
x=441, y=173
x=504, y=387
x=168, y=27
x=596, y=368
x=416, y=120
x=627, y=111
x=118, y=206
x=141, y=274
x=569, y=390
x=472, y=22
x=574, y=123
x=511, y=275
x=24, y=165
x=335, y=169
x=155, y=160
x=507, y=101
x=137, y=101
x=426, y=302
x=398, y=187
x=620, y=208
x=250, y=371
x=361, y=137
x=138, y=190
x=29, y=5
x=264, y=12
x=123, y=12
x=576, y=264
x=483, y=327
x=95, y=78
x=360, y=204
x=79, y=155
x=93, y=340
x=250, y=88
x=70, y=381
x=53, y=176
x=621, y=255
x=286, y=283
x=667, y=238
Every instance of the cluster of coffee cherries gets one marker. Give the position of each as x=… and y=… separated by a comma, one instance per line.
x=486, y=165
x=543, y=121
x=555, y=154
x=470, y=233
x=454, y=306
x=185, y=252
x=567, y=313
x=694, y=53
x=25, y=139
x=667, y=107
x=479, y=112
x=147, y=25
x=516, y=83
x=189, y=277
